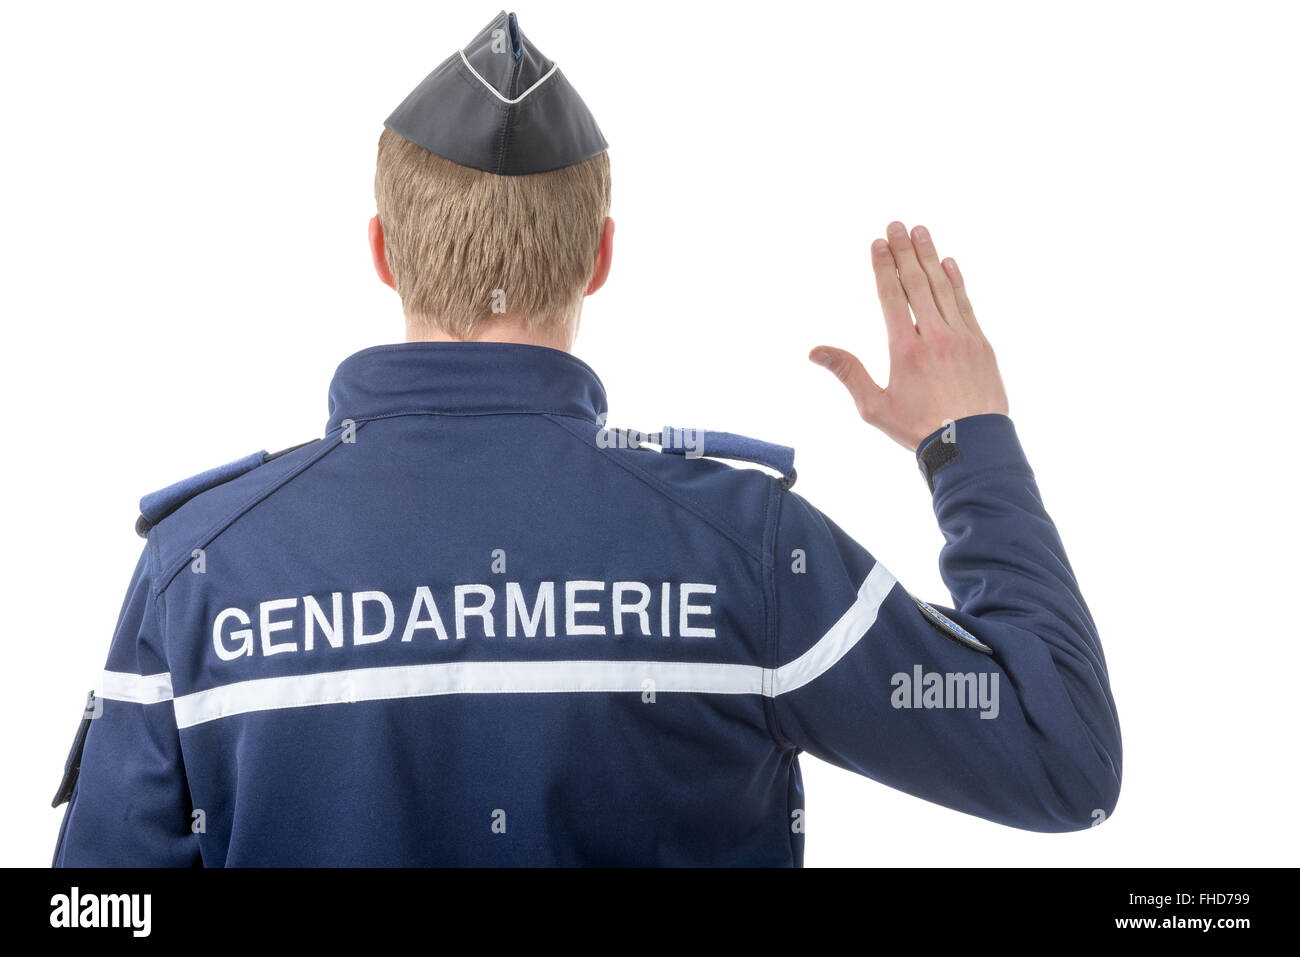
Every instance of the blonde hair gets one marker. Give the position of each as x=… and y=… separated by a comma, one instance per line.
x=465, y=246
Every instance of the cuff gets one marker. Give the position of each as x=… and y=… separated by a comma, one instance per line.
x=969, y=445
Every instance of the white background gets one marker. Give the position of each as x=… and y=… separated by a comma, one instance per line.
x=185, y=197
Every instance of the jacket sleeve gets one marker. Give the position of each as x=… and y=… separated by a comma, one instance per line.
x=999, y=706
x=128, y=800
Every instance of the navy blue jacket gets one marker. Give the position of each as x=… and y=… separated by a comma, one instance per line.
x=471, y=625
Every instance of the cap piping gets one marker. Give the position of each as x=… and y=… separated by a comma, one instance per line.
x=496, y=92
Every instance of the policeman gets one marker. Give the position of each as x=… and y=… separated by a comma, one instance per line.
x=473, y=625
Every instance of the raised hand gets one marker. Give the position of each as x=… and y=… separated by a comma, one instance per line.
x=941, y=367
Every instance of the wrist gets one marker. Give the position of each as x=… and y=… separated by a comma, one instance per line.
x=969, y=445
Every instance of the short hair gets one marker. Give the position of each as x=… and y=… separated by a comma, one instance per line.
x=464, y=245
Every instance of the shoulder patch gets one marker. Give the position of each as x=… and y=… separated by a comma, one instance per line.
x=156, y=506
x=702, y=443
x=72, y=766
x=950, y=629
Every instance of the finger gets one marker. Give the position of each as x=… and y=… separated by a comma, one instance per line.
x=958, y=283
x=870, y=399
x=893, y=300
x=940, y=287
x=913, y=277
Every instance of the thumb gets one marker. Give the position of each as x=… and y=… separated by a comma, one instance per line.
x=869, y=397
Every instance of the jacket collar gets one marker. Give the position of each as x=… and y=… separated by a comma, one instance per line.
x=463, y=378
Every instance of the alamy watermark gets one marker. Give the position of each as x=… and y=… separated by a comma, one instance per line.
x=76, y=909
x=949, y=690
x=688, y=441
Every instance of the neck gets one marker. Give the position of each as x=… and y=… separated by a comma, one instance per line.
x=502, y=329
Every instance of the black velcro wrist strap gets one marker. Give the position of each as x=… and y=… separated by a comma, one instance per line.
x=936, y=456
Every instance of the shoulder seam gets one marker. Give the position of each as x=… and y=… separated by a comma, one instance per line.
x=695, y=508
x=160, y=619
x=203, y=541
x=775, y=510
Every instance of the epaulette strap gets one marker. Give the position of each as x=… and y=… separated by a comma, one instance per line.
x=696, y=443
x=156, y=506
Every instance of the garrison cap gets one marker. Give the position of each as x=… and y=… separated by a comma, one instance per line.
x=501, y=106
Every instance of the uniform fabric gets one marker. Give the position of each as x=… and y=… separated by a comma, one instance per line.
x=466, y=628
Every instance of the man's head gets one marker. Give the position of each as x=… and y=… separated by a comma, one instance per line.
x=474, y=254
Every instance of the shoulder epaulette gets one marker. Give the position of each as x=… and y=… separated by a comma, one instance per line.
x=702, y=443
x=156, y=506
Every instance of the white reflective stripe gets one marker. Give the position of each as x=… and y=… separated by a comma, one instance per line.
x=139, y=689
x=843, y=635
x=464, y=677
x=519, y=677
x=496, y=92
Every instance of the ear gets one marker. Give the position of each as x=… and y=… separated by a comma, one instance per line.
x=604, y=257
x=377, y=253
